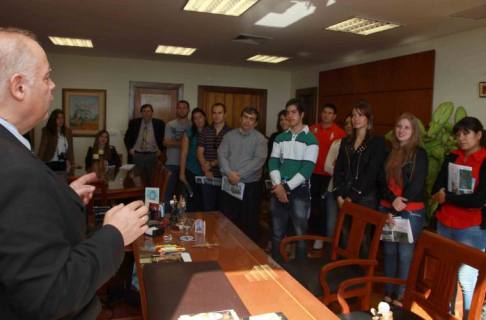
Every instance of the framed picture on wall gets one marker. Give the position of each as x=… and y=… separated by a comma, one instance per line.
x=482, y=89
x=85, y=111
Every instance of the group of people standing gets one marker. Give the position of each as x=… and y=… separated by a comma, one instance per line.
x=354, y=165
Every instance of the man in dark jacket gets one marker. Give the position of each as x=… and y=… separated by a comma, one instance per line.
x=144, y=140
x=48, y=270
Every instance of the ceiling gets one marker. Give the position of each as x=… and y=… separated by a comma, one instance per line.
x=134, y=28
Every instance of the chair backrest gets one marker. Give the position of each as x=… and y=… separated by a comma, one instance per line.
x=160, y=178
x=432, y=278
x=433, y=275
x=362, y=218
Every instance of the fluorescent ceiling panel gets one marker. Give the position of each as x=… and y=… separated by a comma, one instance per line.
x=70, y=42
x=362, y=26
x=267, y=59
x=298, y=11
x=225, y=7
x=180, y=51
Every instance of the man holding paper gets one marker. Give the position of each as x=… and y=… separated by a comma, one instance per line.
x=241, y=157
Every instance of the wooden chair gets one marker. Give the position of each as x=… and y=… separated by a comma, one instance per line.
x=431, y=279
x=160, y=178
x=322, y=276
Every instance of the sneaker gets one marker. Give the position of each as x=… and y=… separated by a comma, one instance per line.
x=318, y=244
x=398, y=301
x=388, y=298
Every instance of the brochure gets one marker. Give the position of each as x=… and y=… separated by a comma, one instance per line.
x=400, y=232
x=236, y=190
x=460, y=179
x=204, y=180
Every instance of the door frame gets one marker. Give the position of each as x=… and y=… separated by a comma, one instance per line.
x=151, y=85
x=238, y=90
x=312, y=117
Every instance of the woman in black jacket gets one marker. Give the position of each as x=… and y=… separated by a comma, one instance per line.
x=110, y=155
x=357, y=166
x=402, y=186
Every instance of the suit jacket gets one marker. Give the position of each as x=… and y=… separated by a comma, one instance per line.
x=47, y=268
x=48, y=145
x=134, y=128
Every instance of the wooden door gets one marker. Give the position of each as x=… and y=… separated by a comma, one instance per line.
x=162, y=96
x=235, y=100
x=163, y=101
x=309, y=97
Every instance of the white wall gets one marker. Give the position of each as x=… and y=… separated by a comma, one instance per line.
x=114, y=75
x=460, y=65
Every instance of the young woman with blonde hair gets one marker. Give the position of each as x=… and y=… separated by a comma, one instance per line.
x=402, y=186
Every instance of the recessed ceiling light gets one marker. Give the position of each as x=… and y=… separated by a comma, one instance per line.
x=267, y=59
x=179, y=51
x=71, y=42
x=362, y=26
x=226, y=7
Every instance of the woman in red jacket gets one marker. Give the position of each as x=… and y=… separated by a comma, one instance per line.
x=459, y=214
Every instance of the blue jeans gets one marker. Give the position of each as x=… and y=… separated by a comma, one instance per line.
x=332, y=210
x=174, y=177
x=298, y=209
x=398, y=256
x=474, y=237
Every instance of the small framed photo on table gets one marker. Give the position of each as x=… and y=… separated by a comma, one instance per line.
x=482, y=89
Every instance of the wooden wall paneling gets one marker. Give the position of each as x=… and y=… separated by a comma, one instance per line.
x=415, y=71
x=392, y=87
x=235, y=99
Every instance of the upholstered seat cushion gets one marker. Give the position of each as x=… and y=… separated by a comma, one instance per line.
x=307, y=273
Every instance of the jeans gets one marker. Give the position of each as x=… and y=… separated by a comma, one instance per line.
x=174, y=177
x=398, y=256
x=246, y=210
x=332, y=210
x=474, y=237
x=298, y=209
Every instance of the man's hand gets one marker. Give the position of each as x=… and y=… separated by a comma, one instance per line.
x=131, y=151
x=208, y=174
x=130, y=220
x=399, y=203
x=82, y=188
x=390, y=221
x=206, y=166
x=279, y=191
x=158, y=153
x=439, y=197
x=234, y=177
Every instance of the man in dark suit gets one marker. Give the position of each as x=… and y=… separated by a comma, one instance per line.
x=47, y=268
x=144, y=140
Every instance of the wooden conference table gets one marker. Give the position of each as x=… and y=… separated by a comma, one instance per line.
x=262, y=285
x=126, y=184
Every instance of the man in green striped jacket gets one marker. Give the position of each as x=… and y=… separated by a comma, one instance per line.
x=291, y=164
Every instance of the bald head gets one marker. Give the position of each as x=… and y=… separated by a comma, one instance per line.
x=15, y=57
x=25, y=81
